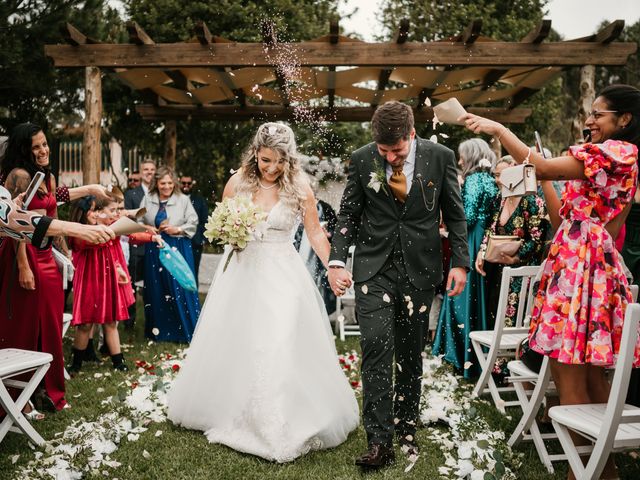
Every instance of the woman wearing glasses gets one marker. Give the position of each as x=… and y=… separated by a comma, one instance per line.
x=579, y=309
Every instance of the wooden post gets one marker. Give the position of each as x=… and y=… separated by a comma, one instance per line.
x=92, y=122
x=587, y=96
x=170, y=137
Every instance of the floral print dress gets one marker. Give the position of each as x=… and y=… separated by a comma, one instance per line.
x=529, y=222
x=579, y=309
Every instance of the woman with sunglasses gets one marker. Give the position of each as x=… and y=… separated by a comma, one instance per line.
x=579, y=309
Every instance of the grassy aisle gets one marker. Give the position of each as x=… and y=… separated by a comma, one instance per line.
x=163, y=451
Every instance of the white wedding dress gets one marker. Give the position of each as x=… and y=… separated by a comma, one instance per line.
x=261, y=374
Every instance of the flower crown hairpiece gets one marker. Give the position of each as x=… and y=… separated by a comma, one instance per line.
x=484, y=163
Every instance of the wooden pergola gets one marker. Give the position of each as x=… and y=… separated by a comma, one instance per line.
x=331, y=78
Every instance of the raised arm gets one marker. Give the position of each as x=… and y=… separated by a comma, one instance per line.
x=559, y=168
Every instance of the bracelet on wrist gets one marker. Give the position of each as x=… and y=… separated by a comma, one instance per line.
x=526, y=159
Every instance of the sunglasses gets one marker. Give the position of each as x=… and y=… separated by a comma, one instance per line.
x=186, y=183
x=134, y=180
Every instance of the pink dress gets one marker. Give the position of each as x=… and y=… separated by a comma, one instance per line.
x=579, y=308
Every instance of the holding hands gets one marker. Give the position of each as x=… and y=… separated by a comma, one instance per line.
x=340, y=279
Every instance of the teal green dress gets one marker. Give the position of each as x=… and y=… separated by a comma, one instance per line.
x=468, y=311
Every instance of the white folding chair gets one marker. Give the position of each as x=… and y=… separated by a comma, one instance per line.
x=502, y=341
x=343, y=329
x=531, y=400
x=609, y=426
x=527, y=428
x=14, y=362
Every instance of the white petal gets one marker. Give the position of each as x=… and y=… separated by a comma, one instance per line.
x=423, y=309
x=146, y=454
x=467, y=365
x=386, y=298
x=364, y=289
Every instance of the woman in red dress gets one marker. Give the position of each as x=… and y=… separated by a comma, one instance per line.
x=30, y=283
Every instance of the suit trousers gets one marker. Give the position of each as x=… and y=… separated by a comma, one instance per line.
x=136, y=272
x=392, y=314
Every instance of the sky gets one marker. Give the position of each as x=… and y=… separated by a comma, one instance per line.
x=563, y=15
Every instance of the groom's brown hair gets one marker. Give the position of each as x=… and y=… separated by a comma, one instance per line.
x=392, y=121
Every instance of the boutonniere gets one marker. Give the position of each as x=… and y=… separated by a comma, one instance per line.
x=378, y=180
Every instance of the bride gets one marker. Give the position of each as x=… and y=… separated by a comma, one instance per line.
x=261, y=374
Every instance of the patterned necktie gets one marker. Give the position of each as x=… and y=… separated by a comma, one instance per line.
x=398, y=183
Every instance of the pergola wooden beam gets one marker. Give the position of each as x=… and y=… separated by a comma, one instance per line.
x=498, y=54
x=470, y=34
x=137, y=35
x=202, y=33
x=383, y=80
x=402, y=35
x=605, y=36
x=73, y=36
x=334, y=38
x=539, y=33
x=279, y=112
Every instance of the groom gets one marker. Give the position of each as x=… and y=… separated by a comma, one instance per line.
x=390, y=211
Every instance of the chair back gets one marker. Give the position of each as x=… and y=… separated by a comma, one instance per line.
x=624, y=364
x=527, y=293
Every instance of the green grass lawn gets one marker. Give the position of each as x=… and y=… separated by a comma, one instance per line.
x=177, y=453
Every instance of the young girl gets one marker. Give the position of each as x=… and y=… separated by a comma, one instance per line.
x=100, y=296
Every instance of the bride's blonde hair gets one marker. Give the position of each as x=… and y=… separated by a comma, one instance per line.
x=279, y=138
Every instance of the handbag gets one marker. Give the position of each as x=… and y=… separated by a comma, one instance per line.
x=499, y=244
x=65, y=267
x=519, y=180
x=531, y=359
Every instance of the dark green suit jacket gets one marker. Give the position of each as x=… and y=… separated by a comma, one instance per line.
x=373, y=221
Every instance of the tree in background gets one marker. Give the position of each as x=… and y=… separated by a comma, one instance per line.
x=503, y=20
x=30, y=89
x=208, y=150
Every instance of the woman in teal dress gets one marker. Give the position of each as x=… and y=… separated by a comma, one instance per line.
x=468, y=311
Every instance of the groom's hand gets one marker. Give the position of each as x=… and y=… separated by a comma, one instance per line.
x=457, y=277
x=339, y=279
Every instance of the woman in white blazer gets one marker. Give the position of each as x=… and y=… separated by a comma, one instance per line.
x=170, y=311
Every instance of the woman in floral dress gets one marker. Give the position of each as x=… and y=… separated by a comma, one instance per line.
x=524, y=217
x=579, y=309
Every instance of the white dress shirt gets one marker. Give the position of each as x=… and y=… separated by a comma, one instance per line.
x=408, y=167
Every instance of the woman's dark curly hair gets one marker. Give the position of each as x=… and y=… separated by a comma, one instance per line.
x=19, y=154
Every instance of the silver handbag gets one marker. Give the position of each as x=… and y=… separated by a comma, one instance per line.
x=519, y=181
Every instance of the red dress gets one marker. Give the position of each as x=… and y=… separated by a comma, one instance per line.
x=32, y=319
x=126, y=289
x=98, y=298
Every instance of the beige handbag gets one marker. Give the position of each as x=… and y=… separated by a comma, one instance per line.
x=519, y=181
x=499, y=244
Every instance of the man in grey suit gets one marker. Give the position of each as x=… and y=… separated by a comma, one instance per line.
x=397, y=188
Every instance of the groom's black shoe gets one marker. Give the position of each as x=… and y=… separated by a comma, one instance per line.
x=378, y=456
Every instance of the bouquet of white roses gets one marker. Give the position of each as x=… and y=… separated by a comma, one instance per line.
x=234, y=222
